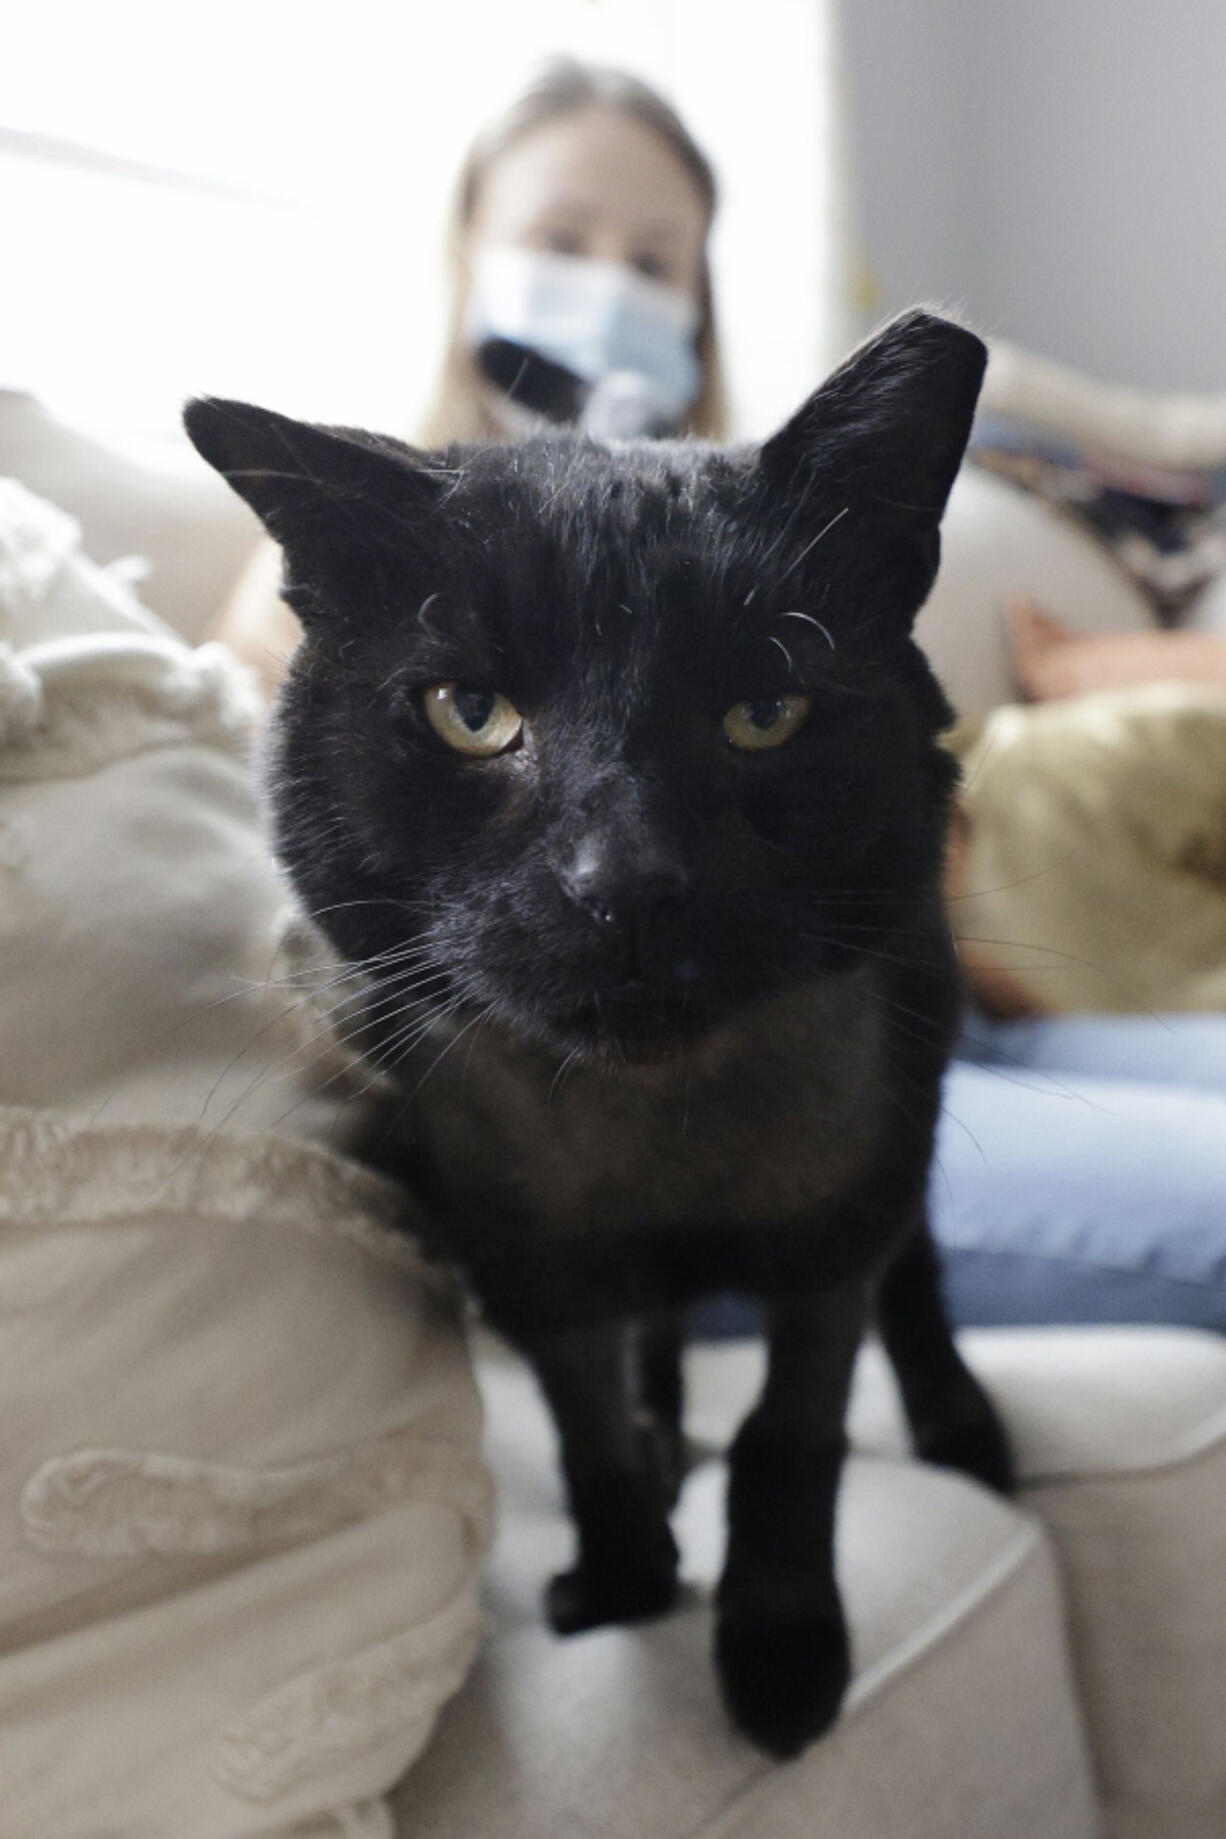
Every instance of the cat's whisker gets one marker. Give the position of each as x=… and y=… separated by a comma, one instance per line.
x=378, y=1059
x=477, y=1021
x=415, y=1027
x=412, y=1021
x=931, y=1038
x=257, y=989
x=362, y=1020
x=382, y=900
x=810, y=621
x=383, y=1064
x=768, y=557
x=360, y=974
x=420, y=1029
x=813, y=542
x=1004, y=887
x=555, y=1084
x=329, y=1032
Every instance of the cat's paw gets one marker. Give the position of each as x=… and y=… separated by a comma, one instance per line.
x=783, y=1683
x=582, y=1598
x=976, y=1445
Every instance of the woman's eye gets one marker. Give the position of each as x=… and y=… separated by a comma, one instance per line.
x=767, y=721
x=653, y=266
x=472, y=721
x=562, y=242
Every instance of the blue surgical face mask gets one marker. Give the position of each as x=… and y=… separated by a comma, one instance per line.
x=597, y=319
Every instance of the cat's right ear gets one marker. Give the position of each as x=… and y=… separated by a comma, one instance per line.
x=891, y=425
x=329, y=496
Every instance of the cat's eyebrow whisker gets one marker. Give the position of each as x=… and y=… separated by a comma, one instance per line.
x=810, y=621
x=782, y=537
x=814, y=541
x=423, y=611
x=787, y=654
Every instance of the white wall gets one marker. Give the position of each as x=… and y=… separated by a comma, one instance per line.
x=249, y=200
x=1056, y=167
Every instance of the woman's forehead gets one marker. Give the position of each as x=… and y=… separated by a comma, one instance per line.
x=597, y=162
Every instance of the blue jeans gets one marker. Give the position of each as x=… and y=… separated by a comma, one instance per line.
x=1080, y=1172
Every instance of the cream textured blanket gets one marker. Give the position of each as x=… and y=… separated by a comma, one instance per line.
x=241, y=1504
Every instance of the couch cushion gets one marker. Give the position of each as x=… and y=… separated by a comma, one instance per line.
x=960, y=1719
x=1120, y=1435
x=998, y=543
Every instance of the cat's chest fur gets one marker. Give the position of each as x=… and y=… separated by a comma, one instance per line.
x=769, y=1118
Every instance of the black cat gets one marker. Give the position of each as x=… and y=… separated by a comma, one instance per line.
x=618, y=770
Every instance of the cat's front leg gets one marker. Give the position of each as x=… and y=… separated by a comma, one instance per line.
x=618, y=1488
x=781, y=1643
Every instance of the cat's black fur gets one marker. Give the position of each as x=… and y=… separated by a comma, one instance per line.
x=693, y=1003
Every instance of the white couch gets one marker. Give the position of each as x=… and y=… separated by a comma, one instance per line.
x=1050, y=1669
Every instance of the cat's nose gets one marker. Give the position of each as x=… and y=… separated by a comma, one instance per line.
x=621, y=887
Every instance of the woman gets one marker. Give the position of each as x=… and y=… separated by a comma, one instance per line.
x=592, y=166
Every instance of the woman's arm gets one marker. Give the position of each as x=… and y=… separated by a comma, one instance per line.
x=1052, y=660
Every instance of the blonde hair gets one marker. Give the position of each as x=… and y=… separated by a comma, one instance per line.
x=460, y=408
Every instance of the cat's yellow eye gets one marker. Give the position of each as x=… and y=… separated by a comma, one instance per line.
x=477, y=722
x=768, y=721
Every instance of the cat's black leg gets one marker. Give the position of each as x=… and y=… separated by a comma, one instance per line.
x=662, y=1338
x=952, y=1420
x=781, y=1645
x=618, y=1489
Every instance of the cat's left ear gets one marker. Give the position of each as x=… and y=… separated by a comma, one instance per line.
x=888, y=430
x=328, y=495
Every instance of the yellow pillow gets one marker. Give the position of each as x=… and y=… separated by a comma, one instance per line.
x=1097, y=870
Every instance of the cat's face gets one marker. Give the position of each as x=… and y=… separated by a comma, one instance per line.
x=611, y=742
